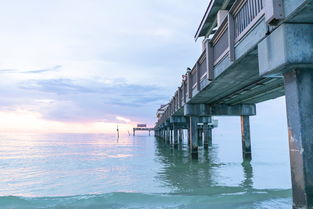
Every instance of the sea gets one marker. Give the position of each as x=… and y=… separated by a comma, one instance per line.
x=82, y=171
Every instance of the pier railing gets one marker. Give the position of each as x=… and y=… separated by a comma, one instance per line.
x=220, y=42
x=245, y=14
x=241, y=18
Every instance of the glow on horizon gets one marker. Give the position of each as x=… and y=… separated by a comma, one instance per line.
x=24, y=121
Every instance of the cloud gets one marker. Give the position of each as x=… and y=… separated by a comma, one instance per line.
x=54, y=68
x=44, y=70
x=89, y=100
x=8, y=70
x=125, y=120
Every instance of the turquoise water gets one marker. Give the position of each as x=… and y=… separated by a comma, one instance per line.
x=73, y=171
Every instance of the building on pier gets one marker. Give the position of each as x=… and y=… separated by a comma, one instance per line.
x=252, y=51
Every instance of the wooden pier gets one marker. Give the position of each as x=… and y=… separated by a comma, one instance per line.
x=142, y=127
x=252, y=51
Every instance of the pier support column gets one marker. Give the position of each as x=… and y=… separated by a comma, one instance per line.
x=245, y=135
x=180, y=135
x=207, y=134
x=193, y=135
x=175, y=130
x=168, y=135
x=163, y=134
x=171, y=135
x=188, y=133
x=299, y=102
x=200, y=136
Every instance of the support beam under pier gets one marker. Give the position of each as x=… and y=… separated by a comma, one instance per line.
x=299, y=102
x=204, y=111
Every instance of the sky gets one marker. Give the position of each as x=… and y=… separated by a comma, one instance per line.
x=88, y=65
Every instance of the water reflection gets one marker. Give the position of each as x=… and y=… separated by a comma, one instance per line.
x=199, y=176
x=247, y=182
x=180, y=171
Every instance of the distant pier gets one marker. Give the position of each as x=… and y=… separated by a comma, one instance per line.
x=142, y=127
x=252, y=51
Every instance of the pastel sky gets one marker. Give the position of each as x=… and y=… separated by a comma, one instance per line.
x=87, y=65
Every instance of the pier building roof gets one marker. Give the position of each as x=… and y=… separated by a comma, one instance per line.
x=208, y=21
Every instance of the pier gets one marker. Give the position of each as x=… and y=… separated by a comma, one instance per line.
x=142, y=127
x=252, y=51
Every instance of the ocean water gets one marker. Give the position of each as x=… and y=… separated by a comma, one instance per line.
x=73, y=171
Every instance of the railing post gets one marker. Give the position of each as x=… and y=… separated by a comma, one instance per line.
x=189, y=85
x=231, y=37
x=179, y=97
x=177, y=100
x=198, y=75
x=174, y=101
x=185, y=91
x=209, y=60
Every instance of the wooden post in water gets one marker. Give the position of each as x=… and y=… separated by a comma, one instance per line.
x=200, y=134
x=207, y=133
x=193, y=131
x=175, y=130
x=180, y=135
x=168, y=140
x=299, y=102
x=245, y=135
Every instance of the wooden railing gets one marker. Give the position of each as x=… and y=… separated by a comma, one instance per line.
x=202, y=66
x=220, y=42
x=194, y=78
x=245, y=14
x=185, y=90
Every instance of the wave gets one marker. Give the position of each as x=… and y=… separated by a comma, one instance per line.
x=229, y=198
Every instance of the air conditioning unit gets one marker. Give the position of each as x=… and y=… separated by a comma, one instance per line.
x=221, y=15
x=274, y=11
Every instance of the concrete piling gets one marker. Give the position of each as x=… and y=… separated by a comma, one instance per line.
x=299, y=102
x=168, y=135
x=207, y=136
x=245, y=136
x=200, y=136
x=180, y=135
x=193, y=135
x=175, y=130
